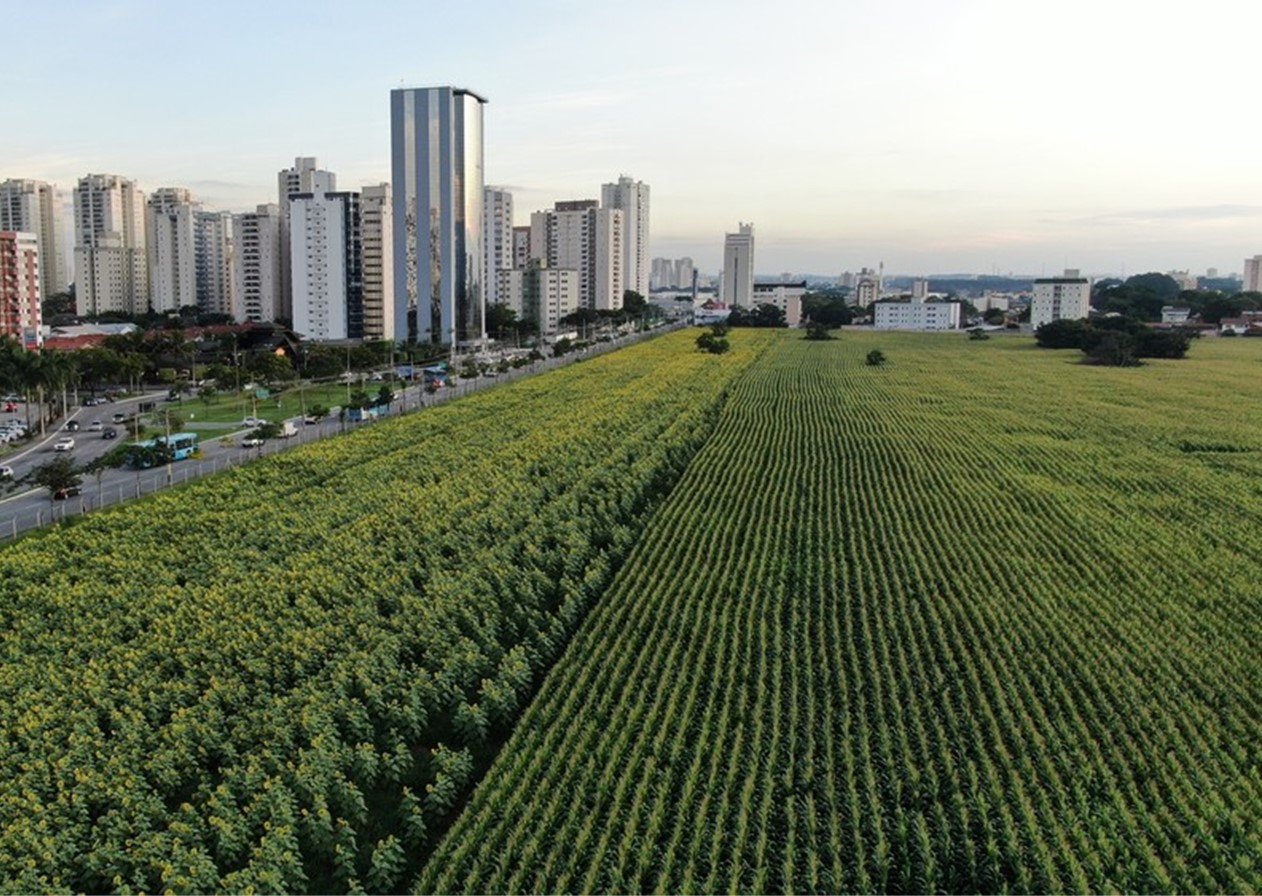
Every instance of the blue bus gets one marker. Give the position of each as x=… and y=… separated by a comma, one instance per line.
x=145, y=454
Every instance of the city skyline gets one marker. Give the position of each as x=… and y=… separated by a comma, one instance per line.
x=972, y=136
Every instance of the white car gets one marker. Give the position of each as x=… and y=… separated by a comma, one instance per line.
x=253, y=421
x=96, y=425
x=66, y=444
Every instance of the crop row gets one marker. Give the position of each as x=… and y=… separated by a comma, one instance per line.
x=284, y=678
x=907, y=629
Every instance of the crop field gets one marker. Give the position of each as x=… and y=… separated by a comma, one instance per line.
x=980, y=619
x=283, y=678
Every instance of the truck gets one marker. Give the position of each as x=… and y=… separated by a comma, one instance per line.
x=287, y=429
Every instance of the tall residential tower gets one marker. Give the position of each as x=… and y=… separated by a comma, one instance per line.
x=35, y=207
x=111, y=268
x=437, y=178
x=738, y=267
x=632, y=197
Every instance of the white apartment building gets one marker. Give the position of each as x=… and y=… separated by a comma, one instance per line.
x=632, y=198
x=671, y=273
x=111, y=261
x=738, y=268
x=377, y=235
x=213, y=256
x=306, y=176
x=21, y=292
x=33, y=206
x=784, y=295
x=579, y=235
x=1252, y=274
x=914, y=314
x=1185, y=279
x=542, y=294
x=256, y=277
x=326, y=272
x=172, y=256
x=1060, y=298
x=497, y=245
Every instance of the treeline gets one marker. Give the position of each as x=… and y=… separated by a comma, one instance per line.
x=1115, y=341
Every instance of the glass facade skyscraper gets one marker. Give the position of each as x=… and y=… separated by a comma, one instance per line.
x=437, y=177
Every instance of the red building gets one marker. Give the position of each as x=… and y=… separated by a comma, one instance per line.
x=20, y=287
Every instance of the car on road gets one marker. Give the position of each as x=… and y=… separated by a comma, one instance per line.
x=96, y=425
x=66, y=444
x=119, y=418
x=69, y=491
x=6, y=471
x=252, y=441
x=109, y=433
x=253, y=421
x=10, y=407
x=72, y=425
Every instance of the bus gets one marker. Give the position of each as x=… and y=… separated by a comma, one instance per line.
x=151, y=452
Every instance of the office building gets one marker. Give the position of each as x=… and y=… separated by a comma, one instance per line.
x=738, y=268
x=631, y=197
x=377, y=234
x=21, y=293
x=1060, y=298
x=172, y=259
x=579, y=235
x=213, y=255
x=110, y=256
x=33, y=206
x=497, y=246
x=437, y=178
x=256, y=276
x=306, y=176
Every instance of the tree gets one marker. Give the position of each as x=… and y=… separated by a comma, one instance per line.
x=875, y=358
x=1061, y=334
x=270, y=367
x=633, y=304
x=994, y=316
x=828, y=308
x=59, y=473
x=818, y=332
x=977, y=333
x=764, y=315
x=1113, y=349
x=501, y=320
x=385, y=395
x=715, y=345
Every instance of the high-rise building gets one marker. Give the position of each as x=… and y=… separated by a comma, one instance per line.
x=111, y=263
x=213, y=254
x=377, y=233
x=256, y=265
x=437, y=178
x=21, y=293
x=738, y=268
x=497, y=245
x=172, y=256
x=326, y=255
x=33, y=206
x=1252, y=274
x=579, y=235
x=306, y=176
x=632, y=198
x=1060, y=298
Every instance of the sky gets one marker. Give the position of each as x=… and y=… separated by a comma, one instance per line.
x=934, y=136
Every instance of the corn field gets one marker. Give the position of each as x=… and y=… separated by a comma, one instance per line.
x=980, y=619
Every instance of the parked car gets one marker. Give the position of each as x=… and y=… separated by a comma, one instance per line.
x=6, y=471
x=251, y=441
x=66, y=444
x=109, y=433
x=69, y=491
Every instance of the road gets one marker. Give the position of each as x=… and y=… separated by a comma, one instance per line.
x=29, y=508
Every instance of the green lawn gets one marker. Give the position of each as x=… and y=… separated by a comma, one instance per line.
x=233, y=407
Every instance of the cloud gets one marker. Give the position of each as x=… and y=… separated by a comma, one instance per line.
x=1189, y=213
